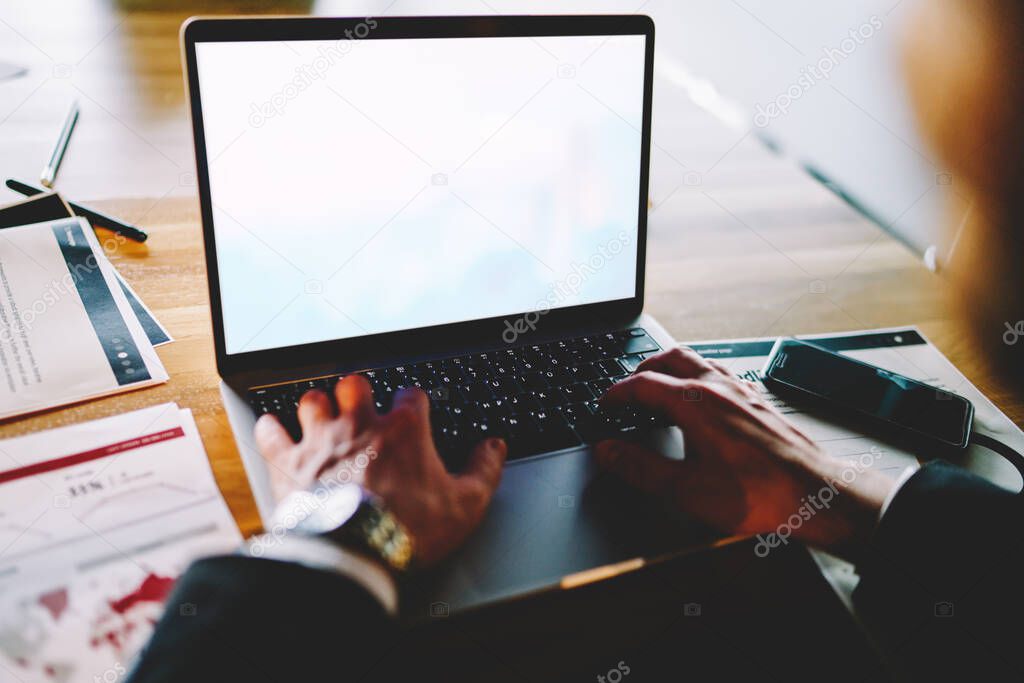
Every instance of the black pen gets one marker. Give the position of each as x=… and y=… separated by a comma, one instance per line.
x=95, y=217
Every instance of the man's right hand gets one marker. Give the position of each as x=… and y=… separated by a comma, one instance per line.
x=747, y=469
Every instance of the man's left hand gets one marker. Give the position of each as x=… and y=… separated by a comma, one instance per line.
x=391, y=455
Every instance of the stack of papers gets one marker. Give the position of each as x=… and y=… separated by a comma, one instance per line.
x=68, y=331
x=51, y=206
x=97, y=520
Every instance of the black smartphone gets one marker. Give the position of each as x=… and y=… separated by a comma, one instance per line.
x=895, y=403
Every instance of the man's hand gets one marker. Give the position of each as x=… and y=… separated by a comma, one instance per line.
x=747, y=469
x=391, y=455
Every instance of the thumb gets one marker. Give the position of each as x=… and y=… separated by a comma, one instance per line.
x=638, y=466
x=480, y=479
x=271, y=437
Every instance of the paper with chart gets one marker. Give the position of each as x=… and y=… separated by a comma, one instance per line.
x=97, y=521
x=901, y=350
x=67, y=332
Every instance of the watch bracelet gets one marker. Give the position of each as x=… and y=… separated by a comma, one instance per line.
x=375, y=530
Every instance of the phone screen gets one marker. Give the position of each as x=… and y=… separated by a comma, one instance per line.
x=865, y=388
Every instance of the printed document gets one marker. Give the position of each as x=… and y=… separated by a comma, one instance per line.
x=67, y=331
x=97, y=520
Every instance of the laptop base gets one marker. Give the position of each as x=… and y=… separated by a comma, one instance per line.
x=556, y=520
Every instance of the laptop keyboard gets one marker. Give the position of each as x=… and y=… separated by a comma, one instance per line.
x=539, y=397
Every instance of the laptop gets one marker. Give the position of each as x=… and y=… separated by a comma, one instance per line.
x=457, y=204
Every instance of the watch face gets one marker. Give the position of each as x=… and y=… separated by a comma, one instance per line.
x=319, y=511
x=339, y=506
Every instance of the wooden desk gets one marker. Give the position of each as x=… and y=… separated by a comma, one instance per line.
x=740, y=244
x=740, y=241
x=715, y=279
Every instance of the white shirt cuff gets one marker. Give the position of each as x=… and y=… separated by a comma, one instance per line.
x=319, y=553
x=900, y=481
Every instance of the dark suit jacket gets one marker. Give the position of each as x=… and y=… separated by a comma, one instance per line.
x=950, y=543
x=254, y=620
x=942, y=587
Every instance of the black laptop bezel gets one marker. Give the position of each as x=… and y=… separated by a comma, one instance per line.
x=439, y=337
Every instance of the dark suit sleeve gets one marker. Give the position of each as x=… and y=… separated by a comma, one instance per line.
x=236, y=618
x=941, y=583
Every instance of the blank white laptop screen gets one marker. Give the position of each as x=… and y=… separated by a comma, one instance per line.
x=362, y=187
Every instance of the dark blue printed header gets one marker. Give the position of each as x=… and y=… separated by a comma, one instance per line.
x=111, y=329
